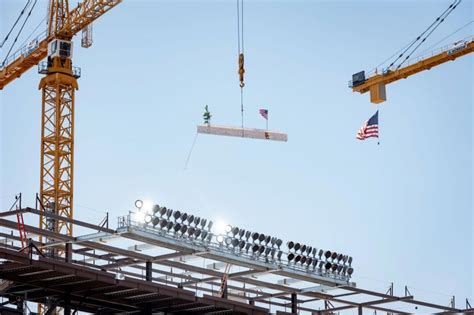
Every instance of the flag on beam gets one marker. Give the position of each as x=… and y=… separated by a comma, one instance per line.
x=264, y=113
x=370, y=129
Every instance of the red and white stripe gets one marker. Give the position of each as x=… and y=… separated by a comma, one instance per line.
x=368, y=132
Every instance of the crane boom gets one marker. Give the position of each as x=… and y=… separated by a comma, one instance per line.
x=376, y=83
x=85, y=13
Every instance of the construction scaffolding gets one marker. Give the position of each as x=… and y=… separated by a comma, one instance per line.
x=136, y=270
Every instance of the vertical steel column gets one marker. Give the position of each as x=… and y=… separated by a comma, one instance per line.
x=67, y=302
x=68, y=256
x=147, y=310
x=149, y=274
x=294, y=305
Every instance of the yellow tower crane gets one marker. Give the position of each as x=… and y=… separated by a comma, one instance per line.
x=58, y=87
x=376, y=82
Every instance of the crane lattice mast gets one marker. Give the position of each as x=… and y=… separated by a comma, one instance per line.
x=58, y=88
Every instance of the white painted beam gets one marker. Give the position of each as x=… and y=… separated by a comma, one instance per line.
x=242, y=132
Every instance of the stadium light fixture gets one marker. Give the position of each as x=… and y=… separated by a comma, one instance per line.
x=163, y=223
x=290, y=245
x=147, y=206
x=190, y=218
x=255, y=248
x=197, y=233
x=303, y=249
x=247, y=247
x=278, y=243
x=163, y=211
x=247, y=235
x=237, y=241
x=148, y=218
x=139, y=217
x=138, y=204
x=220, y=227
x=197, y=220
x=255, y=236
x=297, y=247
x=235, y=231
x=303, y=260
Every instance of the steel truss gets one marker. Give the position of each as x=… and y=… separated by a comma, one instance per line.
x=174, y=280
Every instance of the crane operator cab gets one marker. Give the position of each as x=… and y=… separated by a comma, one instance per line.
x=59, y=48
x=59, y=59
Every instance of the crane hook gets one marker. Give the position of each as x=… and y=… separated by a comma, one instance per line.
x=241, y=70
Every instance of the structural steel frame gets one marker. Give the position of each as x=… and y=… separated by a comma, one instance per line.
x=168, y=282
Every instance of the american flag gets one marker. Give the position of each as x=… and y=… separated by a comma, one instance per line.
x=264, y=113
x=370, y=129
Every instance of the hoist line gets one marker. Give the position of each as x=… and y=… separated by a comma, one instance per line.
x=242, y=108
x=242, y=5
x=240, y=45
x=238, y=28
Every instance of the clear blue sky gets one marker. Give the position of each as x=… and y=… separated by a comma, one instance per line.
x=403, y=209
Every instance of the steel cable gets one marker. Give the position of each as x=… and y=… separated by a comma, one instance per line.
x=19, y=32
x=16, y=22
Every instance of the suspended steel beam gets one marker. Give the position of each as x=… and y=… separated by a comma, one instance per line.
x=242, y=132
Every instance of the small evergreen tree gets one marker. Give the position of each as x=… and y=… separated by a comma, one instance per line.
x=207, y=116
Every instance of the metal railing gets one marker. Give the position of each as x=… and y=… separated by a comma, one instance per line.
x=43, y=69
x=421, y=57
x=127, y=223
x=25, y=50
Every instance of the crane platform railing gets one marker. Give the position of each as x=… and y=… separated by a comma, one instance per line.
x=25, y=50
x=446, y=48
x=43, y=69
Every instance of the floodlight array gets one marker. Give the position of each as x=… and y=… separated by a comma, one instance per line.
x=254, y=244
x=243, y=243
x=179, y=224
x=319, y=259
